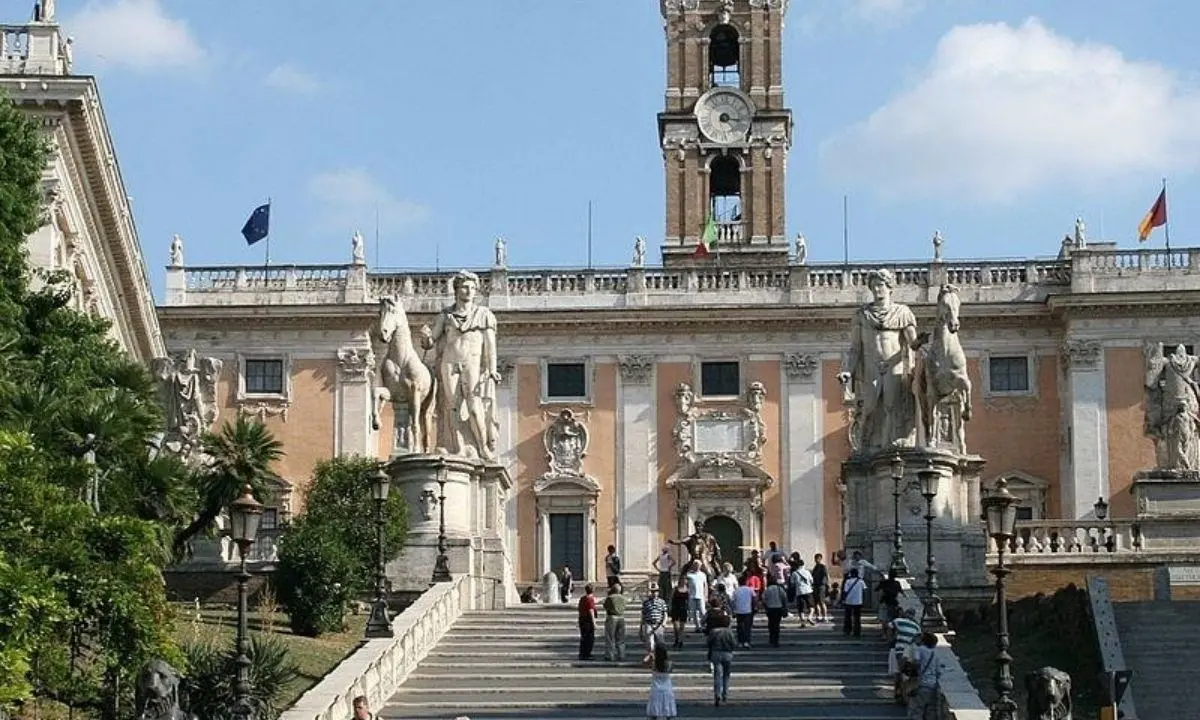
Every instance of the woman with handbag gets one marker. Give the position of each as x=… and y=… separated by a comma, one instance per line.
x=922, y=675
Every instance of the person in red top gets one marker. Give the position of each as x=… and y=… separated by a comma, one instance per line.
x=587, y=622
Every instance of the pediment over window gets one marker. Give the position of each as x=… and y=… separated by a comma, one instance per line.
x=564, y=484
x=721, y=470
x=1031, y=490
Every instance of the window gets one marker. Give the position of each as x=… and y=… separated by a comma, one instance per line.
x=566, y=380
x=725, y=190
x=724, y=56
x=270, y=520
x=1009, y=374
x=1024, y=512
x=1170, y=345
x=720, y=379
x=264, y=377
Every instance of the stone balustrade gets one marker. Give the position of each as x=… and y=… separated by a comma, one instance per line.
x=1061, y=538
x=378, y=667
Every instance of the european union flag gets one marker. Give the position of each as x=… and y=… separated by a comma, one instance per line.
x=259, y=224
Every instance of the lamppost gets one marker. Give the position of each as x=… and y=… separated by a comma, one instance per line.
x=244, y=515
x=842, y=519
x=932, y=617
x=1104, y=538
x=441, y=567
x=898, y=566
x=1000, y=512
x=1101, y=508
x=379, y=625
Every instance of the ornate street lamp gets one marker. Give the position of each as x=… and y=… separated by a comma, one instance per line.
x=1000, y=512
x=932, y=618
x=379, y=625
x=898, y=566
x=244, y=515
x=441, y=567
x=843, y=520
x=1101, y=508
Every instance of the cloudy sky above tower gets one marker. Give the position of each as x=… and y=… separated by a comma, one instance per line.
x=456, y=122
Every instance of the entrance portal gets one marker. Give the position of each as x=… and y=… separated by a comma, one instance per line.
x=566, y=543
x=729, y=536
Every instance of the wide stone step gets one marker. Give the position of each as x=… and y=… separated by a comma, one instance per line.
x=781, y=655
x=735, y=709
x=743, y=661
x=631, y=681
x=582, y=692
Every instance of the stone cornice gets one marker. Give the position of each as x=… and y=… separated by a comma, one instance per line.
x=1102, y=305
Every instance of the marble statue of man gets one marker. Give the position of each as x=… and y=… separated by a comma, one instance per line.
x=358, y=253
x=801, y=249
x=879, y=366
x=1173, y=408
x=639, y=251
x=176, y=257
x=501, y=253
x=463, y=354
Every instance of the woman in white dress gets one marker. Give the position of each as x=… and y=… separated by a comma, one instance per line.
x=662, y=690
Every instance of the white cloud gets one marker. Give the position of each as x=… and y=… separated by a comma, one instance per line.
x=292, y=79
x=1001, y=111
x=137, y=34
x=349, y=198
x=819, y=16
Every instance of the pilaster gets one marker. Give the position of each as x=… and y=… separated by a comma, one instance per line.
x=803, y=486
x=1083, y=364
x=354, y=435
x=506, y=414
x=637, y=473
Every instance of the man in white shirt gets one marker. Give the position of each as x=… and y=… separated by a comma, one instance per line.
x=852, y=601
x=743, y=611
x=697, y=593
x=802, y=583
x=729, y=579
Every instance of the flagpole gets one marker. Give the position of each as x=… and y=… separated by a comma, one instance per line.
x=268, y=238
x=589, y=235
x=1167, y=222
x=846, y=231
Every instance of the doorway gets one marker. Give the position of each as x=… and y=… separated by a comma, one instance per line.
x=729, y=536
x=566, y=543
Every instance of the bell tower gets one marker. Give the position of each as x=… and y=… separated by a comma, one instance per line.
x=725, y=133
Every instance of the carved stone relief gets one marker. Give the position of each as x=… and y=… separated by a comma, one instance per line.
x=355, y=363
x=636, y=369
x=701, y=433
x=1081, y=354
x=566, y=443
x=506, y=367
x=188, y=390
x=801, y=366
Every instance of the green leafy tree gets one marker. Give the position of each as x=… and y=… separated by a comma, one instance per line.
x=242, y=454
x=328, y=556
x=82, y=602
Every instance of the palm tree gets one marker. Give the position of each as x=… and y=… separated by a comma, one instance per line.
x=240, y=454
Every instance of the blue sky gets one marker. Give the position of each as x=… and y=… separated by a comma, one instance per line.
x=995, y=123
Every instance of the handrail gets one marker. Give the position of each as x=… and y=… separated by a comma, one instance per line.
x=1104, y=621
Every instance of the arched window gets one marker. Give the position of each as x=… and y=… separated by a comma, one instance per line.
x=725, y=189
x=724, y=57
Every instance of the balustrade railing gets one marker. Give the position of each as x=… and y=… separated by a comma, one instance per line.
x=1138, y=260
x=1073, y=537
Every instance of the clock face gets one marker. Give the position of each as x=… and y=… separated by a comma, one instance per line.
x=724, y=115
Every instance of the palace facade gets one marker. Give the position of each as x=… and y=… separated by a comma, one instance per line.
x=639, y=399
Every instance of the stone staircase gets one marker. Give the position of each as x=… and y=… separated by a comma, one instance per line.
x=521, y=662
x=1161, y=644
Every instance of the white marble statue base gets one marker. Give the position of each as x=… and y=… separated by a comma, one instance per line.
x=475, y=497
x=959, y=542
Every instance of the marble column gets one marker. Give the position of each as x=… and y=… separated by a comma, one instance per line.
x=354, y=435
x=1083, y=361
x=803, y=482
x=637, y=471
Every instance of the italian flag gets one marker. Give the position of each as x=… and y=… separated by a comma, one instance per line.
x=708, y=239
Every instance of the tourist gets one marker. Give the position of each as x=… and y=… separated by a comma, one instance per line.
x=721, y=641
x=662, y=690
x=779, y=570
x=923, y=700
x=679, y=610
x=565, y=582
x=718, y=599
x=654, y=613
x=728, y=579
x=802, y=581
x=587, y=622
x=612, y=566
x=820, y=576
x=852, y=600
x=697, y=584
x=890, y=591
x=361, y=712
x=775, y=602
x=861, y=564
x=743, y=612
x=614, y=623
x=663, y=565
x=772, y=555
x=905, y=630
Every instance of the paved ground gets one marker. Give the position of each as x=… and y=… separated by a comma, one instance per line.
x=521, y=662
x=1161, y=644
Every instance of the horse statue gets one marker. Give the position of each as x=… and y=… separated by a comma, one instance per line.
x=1048, y=693
x=404, y=376
x=940, y=379
x=157, y=693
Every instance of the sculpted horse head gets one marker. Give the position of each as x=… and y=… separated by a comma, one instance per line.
x=391, y=318
x=948, y=305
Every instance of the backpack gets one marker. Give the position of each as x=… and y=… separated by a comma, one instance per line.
x=793, y=586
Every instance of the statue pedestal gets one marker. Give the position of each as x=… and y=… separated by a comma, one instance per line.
x=474, y=518
x=1168, y=508
x=959, y=541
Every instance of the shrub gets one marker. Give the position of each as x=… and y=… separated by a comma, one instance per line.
x=316, y=577
x=209, y=685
